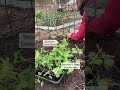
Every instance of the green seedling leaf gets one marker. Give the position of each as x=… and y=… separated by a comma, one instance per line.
x=16, y=56
x=77, y=60
x=64, y=42
x=90, y=63
x=38, y=80
x=37, y=55
x=50, y=77
x=98, y=62
x=66, y=54
x=88, y=70
x=65, y=32
x=107, y=56
x=42, y=83
x=36, y=65
x=57, y=75
x=47, y=73
x=74, y=50
x=39, y=14
x=57, y=63
x=91, y=54
x=102, y=82
x=57, y=71
x=60, y=52
x=40, y=73
x=109, y=62
x=70, y=71
x=53, y=37
x=58, y=58
x=80, y=51
x=22, y=58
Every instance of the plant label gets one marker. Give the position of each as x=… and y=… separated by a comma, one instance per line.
x=49, y=43
x=70, y=65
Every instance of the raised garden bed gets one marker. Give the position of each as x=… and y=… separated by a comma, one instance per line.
x=65, y=25
x=56, y=20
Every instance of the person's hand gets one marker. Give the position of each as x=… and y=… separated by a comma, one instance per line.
x=84, y=39
x=68, y=35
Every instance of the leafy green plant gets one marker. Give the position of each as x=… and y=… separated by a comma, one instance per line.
x=13, y=77
x=39, y=81
x=52, y=60
x=99, y=59
x=39, y=15
x=54, y=18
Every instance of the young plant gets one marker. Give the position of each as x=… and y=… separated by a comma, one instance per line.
x=39, y=15
x=99, y=59
x=52, y=60
x=39, y=81
x=14, y=77
x=54, y=19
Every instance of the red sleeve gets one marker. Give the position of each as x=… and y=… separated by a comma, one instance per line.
x=109, y=22
x=80, y=35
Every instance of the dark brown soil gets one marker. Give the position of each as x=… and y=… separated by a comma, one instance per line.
x=12, y=22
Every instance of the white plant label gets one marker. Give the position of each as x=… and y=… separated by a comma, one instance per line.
x=49, y=43
x=70, y=65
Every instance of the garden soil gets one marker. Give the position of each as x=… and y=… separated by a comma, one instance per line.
x=11, y=24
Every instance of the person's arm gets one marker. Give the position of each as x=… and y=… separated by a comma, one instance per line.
x=109, y=22
x=80, y=35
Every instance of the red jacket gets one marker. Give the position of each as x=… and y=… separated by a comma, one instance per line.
x=81, y=32
x=108, y=23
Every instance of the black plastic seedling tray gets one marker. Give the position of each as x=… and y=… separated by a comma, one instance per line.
x=54, y=80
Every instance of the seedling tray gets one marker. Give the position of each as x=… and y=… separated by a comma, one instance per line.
x=54, y=80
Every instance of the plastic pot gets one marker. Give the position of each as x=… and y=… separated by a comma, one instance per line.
x=54, y=80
